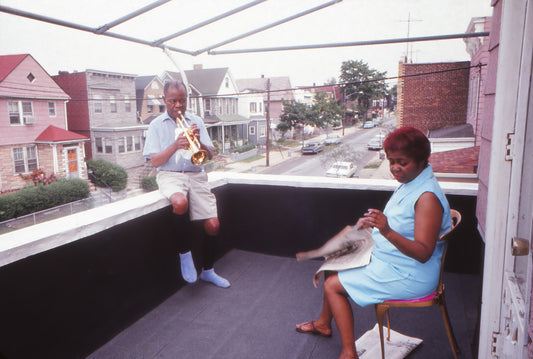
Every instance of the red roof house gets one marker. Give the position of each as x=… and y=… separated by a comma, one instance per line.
x=33, y=125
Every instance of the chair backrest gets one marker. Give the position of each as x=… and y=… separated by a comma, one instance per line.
x=456, y=219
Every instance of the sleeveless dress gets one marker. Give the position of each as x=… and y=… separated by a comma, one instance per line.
x=390, y=273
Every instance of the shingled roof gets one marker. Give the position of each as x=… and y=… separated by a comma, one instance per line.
x=56, y=134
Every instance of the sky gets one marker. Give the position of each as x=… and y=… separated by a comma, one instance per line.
x=58, y=48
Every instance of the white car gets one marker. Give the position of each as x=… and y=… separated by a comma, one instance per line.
x=376, y=143
x=368, y=124
x=332, y=139
x=341, y=169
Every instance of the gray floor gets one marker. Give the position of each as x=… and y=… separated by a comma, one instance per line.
x=255, y=318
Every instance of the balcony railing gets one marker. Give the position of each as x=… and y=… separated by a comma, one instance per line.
x=72, y=284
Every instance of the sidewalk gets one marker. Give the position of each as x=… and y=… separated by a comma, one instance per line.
x=277, y=156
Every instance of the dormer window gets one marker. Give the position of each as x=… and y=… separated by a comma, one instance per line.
x=30, y=77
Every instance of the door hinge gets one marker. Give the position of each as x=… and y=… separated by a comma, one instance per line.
x=509, y=147
x=494, y=346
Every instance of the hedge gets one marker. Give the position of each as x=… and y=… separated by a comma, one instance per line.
x=107, y=174
x=34, y=199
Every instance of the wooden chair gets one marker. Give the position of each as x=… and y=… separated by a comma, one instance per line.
x=436, y=298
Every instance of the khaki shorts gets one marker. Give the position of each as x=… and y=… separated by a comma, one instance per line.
x=194, y=186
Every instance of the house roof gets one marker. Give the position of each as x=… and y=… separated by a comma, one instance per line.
x=207, y=81
x=8, y=63
x=56, y=134
x=464, y=130
x=464, y=160
x=142, y=81
x=259, y=84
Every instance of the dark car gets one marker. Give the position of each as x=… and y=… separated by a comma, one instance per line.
x=312, y=147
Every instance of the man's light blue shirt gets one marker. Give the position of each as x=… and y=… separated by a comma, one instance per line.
x=162, y=133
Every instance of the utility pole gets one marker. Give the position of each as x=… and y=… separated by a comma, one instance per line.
x=268, y=124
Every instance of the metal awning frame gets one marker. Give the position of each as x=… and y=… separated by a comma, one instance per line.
x=160, y=43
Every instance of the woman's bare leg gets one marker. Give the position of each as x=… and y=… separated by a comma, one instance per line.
x=337, y=299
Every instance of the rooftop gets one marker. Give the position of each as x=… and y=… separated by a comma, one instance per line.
x=106, y=281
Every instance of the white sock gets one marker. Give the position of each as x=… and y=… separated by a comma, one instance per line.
x=188, y=271
x=209, y=275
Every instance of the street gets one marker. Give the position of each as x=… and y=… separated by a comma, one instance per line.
x=317, y=164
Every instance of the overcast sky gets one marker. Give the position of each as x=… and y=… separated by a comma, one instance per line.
x=58, y=48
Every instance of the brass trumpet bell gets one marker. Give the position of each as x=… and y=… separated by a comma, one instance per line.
x=199, y=156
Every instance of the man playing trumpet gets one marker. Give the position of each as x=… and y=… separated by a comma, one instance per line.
x=169, y=148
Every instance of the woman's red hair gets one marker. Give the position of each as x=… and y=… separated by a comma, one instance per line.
x=412, y=142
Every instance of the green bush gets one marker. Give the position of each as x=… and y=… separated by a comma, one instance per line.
x=107, y=174
x=34, y=199
x=245, y=148
x=149, y=183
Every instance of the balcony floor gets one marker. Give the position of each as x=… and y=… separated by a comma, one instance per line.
x=255, y=317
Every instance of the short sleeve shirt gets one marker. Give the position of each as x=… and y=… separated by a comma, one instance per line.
x=162, y=133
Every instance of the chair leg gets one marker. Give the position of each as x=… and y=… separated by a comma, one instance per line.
x=388, y=324
x=449, y=329
x=380, y=310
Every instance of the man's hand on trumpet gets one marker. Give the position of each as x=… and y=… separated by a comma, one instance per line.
x=182, y=142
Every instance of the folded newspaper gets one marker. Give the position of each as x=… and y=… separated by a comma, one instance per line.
x=350, y=248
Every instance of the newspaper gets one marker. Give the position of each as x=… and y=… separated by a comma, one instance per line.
x=350, y=248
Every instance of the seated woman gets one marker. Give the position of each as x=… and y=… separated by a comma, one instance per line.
x=406, y=258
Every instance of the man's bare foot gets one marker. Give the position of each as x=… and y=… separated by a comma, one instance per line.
x=313, y=327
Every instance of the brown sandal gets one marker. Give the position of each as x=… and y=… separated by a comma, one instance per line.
x=313, y=330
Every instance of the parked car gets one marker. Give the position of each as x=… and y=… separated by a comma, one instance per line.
x=312, y=147
x=376, y=143
x=332, y=139
x=368, y=124
x=341, y=169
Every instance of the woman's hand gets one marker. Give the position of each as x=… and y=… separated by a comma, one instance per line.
x=375, y=218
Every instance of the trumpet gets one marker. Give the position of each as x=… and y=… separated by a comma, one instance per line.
x=199, y=156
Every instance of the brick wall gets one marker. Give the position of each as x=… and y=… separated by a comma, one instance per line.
x=433, y=95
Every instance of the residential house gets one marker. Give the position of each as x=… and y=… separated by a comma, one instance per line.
x=214, y=97
x=477, y=47
x=280, y=90
x=251, y=107
x=33, y=125
x=103, y=108
x=149, y=93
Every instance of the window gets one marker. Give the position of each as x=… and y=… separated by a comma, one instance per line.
x=98, y=143
x=150, y=108
x=129, y=144
x=127, y=104
x=25, y=159
x=103, y=144
x=30, y=77
x=262, y=131
x=113, y=104
x=121, y=145
x=227, y=82
x=253, y=107
x=20, y=112
x=108, y=145
x=97, y=104
x=51, y=108
x=252, y=130
x=161, y=108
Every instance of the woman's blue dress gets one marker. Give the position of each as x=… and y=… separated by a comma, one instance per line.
x=390, y=273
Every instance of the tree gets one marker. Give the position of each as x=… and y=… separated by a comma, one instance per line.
x=325, y=110
x=360, y=82
x=294, y=114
